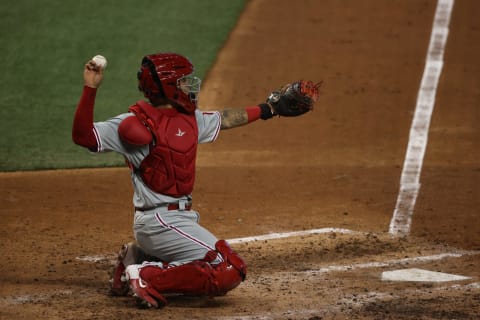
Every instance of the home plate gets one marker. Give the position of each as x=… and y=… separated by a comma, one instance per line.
x=420, y=275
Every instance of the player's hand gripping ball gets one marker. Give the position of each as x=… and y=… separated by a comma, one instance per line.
x=100, y=61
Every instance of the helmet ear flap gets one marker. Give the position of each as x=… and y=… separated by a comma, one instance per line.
x=148, y=81
x=139, y=78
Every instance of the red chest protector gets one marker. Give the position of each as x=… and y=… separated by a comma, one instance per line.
x=170, y=166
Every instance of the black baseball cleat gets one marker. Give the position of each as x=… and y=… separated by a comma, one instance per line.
x=118, y=282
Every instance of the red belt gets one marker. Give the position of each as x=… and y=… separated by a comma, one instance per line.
x=169, y=207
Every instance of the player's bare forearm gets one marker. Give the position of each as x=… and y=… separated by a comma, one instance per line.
x=232, y=118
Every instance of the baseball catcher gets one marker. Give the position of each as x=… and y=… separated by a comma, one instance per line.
x=158, y=136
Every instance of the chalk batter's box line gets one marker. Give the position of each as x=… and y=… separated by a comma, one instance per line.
x=269, y=236
x=275, y=236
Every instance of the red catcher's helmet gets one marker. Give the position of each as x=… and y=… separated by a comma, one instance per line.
x=169, y=76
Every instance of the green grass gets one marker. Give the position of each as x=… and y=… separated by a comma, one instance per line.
x=46, y=43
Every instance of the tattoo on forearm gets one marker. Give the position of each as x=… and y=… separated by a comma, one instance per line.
x=232, y=118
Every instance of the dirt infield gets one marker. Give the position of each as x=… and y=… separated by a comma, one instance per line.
x=337, y=167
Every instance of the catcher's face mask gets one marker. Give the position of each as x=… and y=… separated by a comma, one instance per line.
x=190, y=85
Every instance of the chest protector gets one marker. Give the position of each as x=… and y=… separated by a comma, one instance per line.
x=169, y=168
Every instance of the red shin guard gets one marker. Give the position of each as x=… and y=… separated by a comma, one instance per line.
x=195, y=278
x=199, y=278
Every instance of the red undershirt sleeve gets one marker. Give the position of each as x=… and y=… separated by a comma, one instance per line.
x=253, y=113
x=83, y=132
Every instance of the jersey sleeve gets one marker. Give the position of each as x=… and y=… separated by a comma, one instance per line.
x=209, y=123
x=107, y=134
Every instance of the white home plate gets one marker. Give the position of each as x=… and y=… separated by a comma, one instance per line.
x=420, y=275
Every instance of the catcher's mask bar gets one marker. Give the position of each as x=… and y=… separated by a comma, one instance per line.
x=190, y=85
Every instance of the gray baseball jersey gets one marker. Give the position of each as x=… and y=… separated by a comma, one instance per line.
x=174, y=236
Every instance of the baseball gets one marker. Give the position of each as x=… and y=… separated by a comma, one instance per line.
x=100, y=61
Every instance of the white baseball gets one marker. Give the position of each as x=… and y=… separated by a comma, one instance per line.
x=100, y=61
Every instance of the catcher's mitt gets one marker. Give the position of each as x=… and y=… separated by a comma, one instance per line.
x=291, y=100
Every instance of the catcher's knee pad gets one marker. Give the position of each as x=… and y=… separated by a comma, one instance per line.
x=232, y=258
x=226, y=278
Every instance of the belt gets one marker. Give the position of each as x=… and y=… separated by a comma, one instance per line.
x=169, y=207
